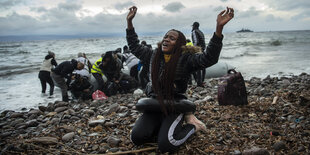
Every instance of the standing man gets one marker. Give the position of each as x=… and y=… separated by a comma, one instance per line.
x=198, y=39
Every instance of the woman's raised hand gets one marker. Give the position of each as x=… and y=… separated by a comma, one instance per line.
x=132, y=13
x=225, y=16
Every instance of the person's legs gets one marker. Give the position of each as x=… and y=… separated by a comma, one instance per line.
x=203, y=75
x=172, y=133
x=134, y=72
x=99, y=80
x=146, y=128
x=198, y=77
x=51, y=83
x=61, y=83
x=43, y=81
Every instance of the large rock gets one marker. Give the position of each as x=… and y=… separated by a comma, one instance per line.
x=45, y=140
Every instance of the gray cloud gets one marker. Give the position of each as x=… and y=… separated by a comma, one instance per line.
x=272, y=18
x=63, y=20
x=38, y=9
x=69, y=6
x=246, y=14
x=174, y=7
x=123, y=6
x=288, y=4
x=6, y=4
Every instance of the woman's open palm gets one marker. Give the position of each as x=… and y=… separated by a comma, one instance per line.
x=132, y=13
x=225, y=16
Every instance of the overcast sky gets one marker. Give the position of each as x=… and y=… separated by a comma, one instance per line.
x=80, y=17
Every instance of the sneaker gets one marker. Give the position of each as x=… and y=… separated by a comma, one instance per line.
x=51, y=96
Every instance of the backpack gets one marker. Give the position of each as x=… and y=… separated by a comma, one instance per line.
x=231, y=89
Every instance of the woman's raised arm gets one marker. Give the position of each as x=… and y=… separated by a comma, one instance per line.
x=130, y=16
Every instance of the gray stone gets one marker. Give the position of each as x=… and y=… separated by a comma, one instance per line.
x=94, y=134
x=42, y=108
x=32, y=123
x=61, y=104
x=94, y=123
x=60, y=109
x=16, y=115
x=114, y=150
x=68, y=136
x=89, y=112
x=36, y=112
x=45, y=140
x=114, y=108
x=279, y=146
x=255, y=151
x=237, y=152
x=113, y=141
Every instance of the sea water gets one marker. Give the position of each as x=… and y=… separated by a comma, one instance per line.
x=255, y=54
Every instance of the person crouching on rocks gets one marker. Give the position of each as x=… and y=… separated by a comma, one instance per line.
x=62, y=71
x=172, y=62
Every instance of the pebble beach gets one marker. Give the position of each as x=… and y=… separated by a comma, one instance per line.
x=276, y=121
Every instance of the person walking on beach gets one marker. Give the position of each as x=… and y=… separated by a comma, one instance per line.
x=45, y=73
x=62, y=71
x=171, y=66
x=199, y=40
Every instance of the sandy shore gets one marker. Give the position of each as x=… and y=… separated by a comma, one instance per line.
x=275, y=121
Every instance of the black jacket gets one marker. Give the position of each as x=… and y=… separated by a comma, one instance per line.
x=198, y=38
x=66, y=68
x=189, y=61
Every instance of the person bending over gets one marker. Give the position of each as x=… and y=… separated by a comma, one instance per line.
x=62, y=71
x=170, y=67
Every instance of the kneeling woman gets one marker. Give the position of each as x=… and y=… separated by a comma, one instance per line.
x=171, y=65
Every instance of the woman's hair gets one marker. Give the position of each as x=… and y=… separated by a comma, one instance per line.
x=163, y=82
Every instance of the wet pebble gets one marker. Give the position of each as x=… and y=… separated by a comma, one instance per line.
x=68, y=136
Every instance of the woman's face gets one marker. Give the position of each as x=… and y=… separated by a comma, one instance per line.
x=169, y=41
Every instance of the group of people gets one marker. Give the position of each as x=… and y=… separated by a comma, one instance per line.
x=169, y=67
x=75, y=75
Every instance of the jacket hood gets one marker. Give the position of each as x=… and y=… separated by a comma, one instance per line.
x=191, y=49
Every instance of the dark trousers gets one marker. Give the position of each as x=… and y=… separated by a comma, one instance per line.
x=144, y=78
x=199, y=76
x=45, y=77
x=134, y=72
x=100, y=81
x=169, y=130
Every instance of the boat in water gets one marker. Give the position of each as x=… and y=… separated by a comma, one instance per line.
x=244, y=30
